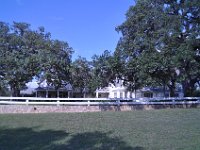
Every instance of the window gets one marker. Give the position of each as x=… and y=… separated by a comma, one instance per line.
x=115, y=95
x=121, y=95
x=148, y=94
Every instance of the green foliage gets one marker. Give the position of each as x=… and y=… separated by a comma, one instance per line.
x=81, y=73
x=27, y=53
x=160, y=43
x=104, y=68
x=160, y=46
x=55, y=63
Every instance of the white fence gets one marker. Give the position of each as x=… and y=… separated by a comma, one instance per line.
x=97, y=101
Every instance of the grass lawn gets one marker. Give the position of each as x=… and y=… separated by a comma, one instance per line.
x=137, y=130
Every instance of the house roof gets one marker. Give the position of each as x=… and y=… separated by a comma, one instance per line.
x=67, y=87
x=157, y=89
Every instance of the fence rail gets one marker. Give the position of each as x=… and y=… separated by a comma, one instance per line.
x=98, y=101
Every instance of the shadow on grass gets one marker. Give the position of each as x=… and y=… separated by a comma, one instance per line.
x=28, y=139
x=96, y=140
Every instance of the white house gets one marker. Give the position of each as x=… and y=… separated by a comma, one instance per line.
x=118, y=90
x=113, y=90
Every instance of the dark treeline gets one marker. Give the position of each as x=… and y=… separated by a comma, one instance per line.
x=160, y=46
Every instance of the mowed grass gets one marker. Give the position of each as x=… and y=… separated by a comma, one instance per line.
x=138, y=130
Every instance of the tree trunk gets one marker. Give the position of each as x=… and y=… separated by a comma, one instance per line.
x=84, y=95
x=15, y=92
x=188, y=88
x=172, y=91
x=172, y=88
x=164, y=88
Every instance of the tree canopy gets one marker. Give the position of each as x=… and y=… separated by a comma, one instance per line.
x=27, y=53
x=160, y=46
x=160, y=41
x=81, y=73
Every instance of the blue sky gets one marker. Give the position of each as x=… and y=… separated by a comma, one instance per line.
x=87, y=25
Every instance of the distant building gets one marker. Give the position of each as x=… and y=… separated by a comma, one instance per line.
x=45, y=90
x=157, y=92
x=42, y=89
x=113, y=90
x=118, y=90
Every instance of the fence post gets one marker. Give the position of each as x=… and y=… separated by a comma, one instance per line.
x=118, y=102
x=173, y=101
x=27, y=101
x=58, y=103
x=88, y=102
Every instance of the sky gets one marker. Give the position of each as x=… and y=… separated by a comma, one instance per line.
x=87, y=25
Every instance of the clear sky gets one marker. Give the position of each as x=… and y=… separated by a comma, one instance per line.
x=87, y=25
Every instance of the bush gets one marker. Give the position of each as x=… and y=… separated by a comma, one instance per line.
x=196, y=93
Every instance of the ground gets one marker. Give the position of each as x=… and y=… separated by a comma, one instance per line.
x=137, y=130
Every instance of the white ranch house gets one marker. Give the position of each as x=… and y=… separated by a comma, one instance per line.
x=118, y=90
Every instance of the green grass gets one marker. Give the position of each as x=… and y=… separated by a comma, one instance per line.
x=138, y=130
